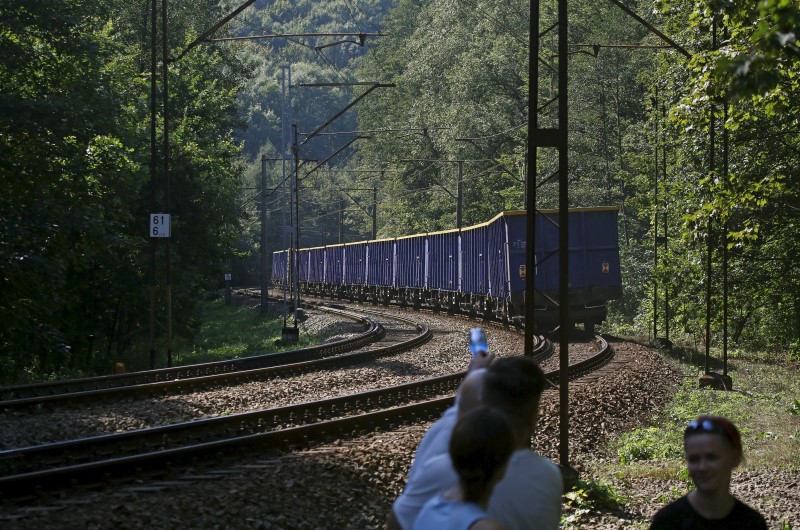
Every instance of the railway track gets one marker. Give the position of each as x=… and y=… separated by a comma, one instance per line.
x=154, y=383
x=29, y=469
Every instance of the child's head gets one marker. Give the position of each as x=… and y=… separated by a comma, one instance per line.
x=481, y=443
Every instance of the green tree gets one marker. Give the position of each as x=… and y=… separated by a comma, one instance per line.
x=75, y=172
x=740, y=85
x=65, y=171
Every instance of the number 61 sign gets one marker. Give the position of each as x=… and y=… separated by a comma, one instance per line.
x=159, y=225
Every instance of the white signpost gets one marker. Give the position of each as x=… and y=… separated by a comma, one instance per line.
x=159, y=225
x=228, y=278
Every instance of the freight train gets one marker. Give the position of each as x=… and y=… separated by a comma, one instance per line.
x=479, y=269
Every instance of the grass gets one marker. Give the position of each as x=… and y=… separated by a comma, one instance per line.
x=225, y=332
x=764, y=405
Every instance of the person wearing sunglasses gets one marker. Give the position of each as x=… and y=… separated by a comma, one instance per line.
x=713, y=450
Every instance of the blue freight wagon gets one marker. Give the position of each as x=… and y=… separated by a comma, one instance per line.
x=594, y=266
x=355, y=270
x=316, y=270
x=409, y=268
x=302, y=264
x=380, y=270
x=280, y=277
x=480, y=269
x=335, y=258
x=443, y=268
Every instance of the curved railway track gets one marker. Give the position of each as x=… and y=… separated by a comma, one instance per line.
x=371, y=342
x=25, y=470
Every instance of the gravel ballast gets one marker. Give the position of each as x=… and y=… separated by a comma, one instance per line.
x=351, y=483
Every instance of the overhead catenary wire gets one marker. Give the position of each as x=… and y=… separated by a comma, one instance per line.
x=412, y=192
x=327, y=61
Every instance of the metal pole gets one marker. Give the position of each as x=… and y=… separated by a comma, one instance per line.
x=655, y=220
x=530, y=186
x=297, y=223
x=153, y=169
x=664, y=222
x=725, y=174
x=710, y=248
x=460, y=193
x=525, y=177
x=375, y=209
x=709, y=252
x=725, y=247
x=165, y=51
x=263, y=233
x=284, y=149
x=563, y=237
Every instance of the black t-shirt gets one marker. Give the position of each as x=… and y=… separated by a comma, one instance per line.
x=680, y=515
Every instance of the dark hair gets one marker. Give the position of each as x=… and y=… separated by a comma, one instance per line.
x=481, y=443
x=715, y=425
x=514, y=385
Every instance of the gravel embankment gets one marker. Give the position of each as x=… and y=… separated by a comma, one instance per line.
x=351, y=483
x=444, y=354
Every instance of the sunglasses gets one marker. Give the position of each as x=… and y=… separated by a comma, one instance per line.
x=709, y=426
x=704, y=426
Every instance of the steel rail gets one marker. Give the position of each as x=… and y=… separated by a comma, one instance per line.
x=170, y=380
x=157, y=438
x=304, y=424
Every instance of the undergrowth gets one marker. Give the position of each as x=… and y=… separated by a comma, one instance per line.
x=225, y=332
x=764, y=404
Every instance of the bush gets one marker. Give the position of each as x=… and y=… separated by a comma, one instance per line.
x=794, y=351
x=649, y=443
x=588, y=497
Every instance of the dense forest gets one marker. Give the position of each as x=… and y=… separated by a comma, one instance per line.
x=381, y=103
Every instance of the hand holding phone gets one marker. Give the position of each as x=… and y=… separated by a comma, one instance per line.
x=477, y=342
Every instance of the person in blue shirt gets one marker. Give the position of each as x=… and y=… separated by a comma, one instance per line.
x=431, y=471
x=529, y=494
x=480, y=446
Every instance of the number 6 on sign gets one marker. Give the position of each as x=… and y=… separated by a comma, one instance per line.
x=159, y=225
